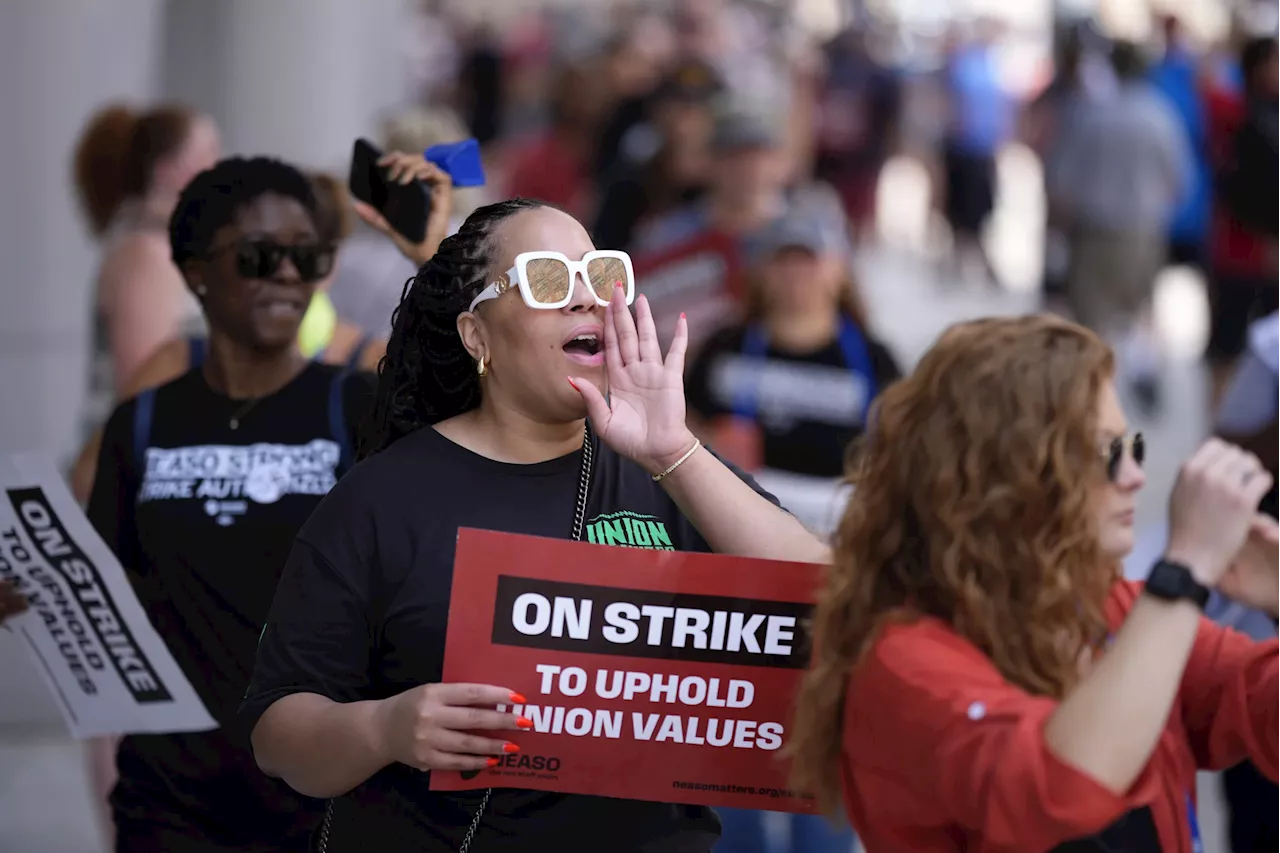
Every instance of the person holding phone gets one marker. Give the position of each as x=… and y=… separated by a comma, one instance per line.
x=201, y=486
x=501, y=354
x=379, y=259
x=345, y=344
x=983, y=677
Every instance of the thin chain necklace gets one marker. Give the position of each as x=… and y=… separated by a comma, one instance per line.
x=238, y=414
x=247, y=406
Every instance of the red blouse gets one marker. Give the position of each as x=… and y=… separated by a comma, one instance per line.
x=942, y=754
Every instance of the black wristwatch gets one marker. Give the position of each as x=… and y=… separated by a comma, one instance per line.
x=1174, y=581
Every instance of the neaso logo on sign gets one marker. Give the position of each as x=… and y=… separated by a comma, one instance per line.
x=685, y=672
x=530, y=763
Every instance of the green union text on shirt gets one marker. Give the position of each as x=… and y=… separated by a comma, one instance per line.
x=629, y=530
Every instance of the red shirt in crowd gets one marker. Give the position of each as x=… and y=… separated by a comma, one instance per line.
x=1235, y=250
x=942, y=754
x=548, y=169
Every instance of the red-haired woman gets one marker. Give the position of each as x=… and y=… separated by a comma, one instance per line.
x=129, y=167
x=983, y=678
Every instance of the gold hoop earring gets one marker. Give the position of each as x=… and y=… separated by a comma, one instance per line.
x=481, y=369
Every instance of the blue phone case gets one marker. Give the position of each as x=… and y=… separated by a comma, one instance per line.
x=461, y=160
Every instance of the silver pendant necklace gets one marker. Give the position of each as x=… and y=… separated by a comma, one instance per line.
x=238, y=414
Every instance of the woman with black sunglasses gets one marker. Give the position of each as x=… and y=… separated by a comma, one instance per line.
x=342, y=343
x=504, y=345
x=201, y=487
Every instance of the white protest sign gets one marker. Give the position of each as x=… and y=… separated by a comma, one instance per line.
x=86, y=633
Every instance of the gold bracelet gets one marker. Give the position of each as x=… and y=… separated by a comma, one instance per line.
x=692, y=450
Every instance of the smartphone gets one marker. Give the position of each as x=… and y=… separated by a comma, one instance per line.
x=405, y=206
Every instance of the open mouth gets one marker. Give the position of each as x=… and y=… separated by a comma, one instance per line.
x=283, y=308
x=587, y=344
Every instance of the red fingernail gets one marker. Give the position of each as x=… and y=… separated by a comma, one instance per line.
x=617, y=284
x=510, y=748
x=524, y=723
x=572, y=384
x=494, y=762
x=682, y=315
x=516, y=698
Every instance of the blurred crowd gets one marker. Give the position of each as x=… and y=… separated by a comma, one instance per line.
x=683, y=135
x=738, y=159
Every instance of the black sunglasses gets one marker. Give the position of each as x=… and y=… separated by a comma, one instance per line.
x=262, y=259
x=1114, y=454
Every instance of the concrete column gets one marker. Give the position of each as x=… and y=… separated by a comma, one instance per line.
x=59, y=61
x=298, y=79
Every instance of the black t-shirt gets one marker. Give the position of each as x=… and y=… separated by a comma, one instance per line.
x=363, y=607
x=809, y=405
x=204, y=525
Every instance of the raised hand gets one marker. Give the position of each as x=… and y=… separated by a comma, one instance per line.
x=643, y=419
x=1254, y=576
x=404, y=169
x=1213, y=508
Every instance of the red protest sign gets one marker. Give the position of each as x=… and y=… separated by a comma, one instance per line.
x=649, y=675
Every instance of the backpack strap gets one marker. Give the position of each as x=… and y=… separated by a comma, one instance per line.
x=755, y=346
x=353, y=360
x=143, y=409
x=195, y=352
x=857, y=356
x=338, y=422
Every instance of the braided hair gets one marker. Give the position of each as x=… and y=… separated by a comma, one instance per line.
x=427, y=375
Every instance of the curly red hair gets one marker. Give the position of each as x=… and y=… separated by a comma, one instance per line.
x=972, y=505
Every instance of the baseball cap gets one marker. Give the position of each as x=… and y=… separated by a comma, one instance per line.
x=738, y=128
x=805, y=232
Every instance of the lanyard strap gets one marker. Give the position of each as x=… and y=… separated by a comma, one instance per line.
x=755, y=346
x=1197, y=845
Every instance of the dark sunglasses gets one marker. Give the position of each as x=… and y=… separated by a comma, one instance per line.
x=262, y=259
x=1114, y=454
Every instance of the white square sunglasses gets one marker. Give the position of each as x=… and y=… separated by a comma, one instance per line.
x=546, y=279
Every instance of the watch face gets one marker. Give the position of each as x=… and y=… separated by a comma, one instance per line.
x=1174, y=582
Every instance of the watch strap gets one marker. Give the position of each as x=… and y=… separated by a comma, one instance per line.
x=1173, y=582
